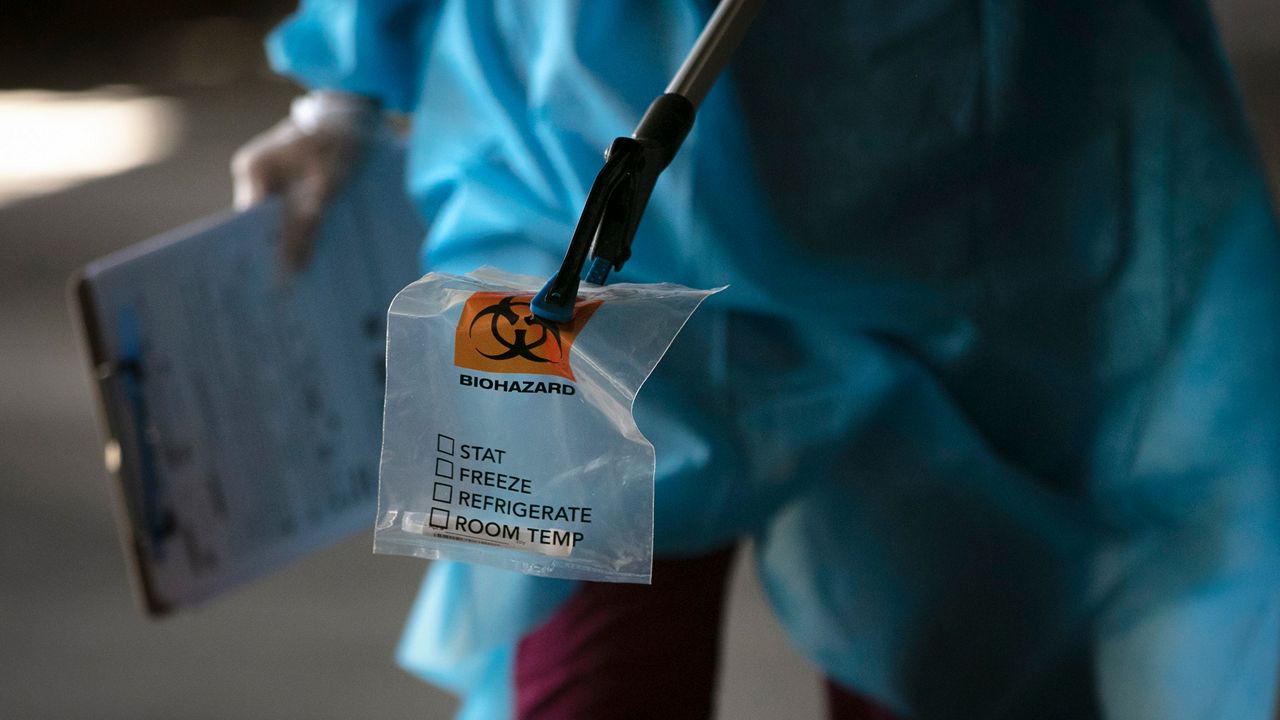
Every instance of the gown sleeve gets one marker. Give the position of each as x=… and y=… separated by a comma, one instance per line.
x=373, y=48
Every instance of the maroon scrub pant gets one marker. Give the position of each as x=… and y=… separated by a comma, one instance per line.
x=646, y=652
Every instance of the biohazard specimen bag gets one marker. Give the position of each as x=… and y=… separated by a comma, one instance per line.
x=509, y=440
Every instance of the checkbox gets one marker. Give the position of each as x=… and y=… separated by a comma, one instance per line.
x=444, y=468
x=444, y=444
x=439, y=519
x=442, y=492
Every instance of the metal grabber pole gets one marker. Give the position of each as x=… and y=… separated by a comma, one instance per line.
x=632, y=165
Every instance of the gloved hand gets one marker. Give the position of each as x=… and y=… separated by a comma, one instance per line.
x=304, y=159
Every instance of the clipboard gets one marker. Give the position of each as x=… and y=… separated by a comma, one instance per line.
x=241, y=405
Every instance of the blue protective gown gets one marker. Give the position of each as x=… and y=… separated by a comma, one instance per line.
x=995, y=385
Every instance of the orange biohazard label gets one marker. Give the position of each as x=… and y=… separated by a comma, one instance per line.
x=499, y=333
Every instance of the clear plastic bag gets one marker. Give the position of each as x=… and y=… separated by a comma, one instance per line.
x=510, y=442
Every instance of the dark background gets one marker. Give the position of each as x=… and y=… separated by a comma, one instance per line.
x=316, y=640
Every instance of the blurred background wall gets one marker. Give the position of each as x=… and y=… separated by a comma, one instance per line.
x=129, y=112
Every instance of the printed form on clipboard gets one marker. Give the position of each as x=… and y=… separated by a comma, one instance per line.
x=241, y=406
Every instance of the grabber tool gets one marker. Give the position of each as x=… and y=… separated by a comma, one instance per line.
x=621, y=190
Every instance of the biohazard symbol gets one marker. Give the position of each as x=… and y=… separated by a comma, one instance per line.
x=499, y=333
x=505, y=319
